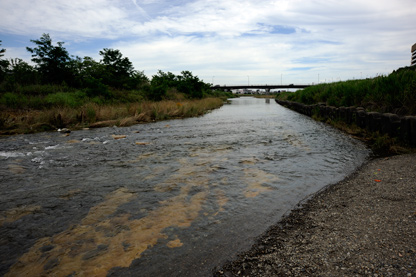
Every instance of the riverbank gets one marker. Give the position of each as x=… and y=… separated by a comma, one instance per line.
x=383, y=132
x=90, y=115
x=363, y=225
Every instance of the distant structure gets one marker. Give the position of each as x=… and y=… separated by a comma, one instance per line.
x=413, y=60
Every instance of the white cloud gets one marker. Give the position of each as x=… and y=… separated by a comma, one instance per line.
x=80, y=18
x=233, y=39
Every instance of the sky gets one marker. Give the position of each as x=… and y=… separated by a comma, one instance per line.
x=225, y=42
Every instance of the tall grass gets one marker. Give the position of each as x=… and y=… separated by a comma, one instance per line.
x=34, y=108
x=95, y=115
x=395, y=93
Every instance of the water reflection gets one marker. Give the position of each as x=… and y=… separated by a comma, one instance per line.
x=171, y=198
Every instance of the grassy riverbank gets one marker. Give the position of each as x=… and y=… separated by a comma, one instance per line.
x=70, y=110
x=395, y=93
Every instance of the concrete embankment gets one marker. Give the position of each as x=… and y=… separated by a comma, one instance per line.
x=402, y=127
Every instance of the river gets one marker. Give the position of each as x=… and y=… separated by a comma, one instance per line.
x=171, y=198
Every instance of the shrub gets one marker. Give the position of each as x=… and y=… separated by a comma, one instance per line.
x=42, y=89
x=14, y=100
x=62, y=99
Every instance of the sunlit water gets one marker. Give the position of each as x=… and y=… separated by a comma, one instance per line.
x=172, y=198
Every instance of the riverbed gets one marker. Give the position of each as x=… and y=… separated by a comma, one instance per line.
x=171, y=198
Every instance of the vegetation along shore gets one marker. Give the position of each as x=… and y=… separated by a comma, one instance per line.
x=62, y=91
x=381, y=111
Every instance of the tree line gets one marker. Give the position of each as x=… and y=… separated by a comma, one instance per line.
x=54, y=65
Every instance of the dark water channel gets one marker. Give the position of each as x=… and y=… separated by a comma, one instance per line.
x=172, y=198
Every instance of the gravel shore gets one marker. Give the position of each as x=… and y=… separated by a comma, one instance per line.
x=364, y=225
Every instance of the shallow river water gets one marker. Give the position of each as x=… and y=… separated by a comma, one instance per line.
x=172, y=198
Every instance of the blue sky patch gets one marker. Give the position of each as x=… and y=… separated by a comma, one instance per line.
x=301, y=68
x=277, y=29
x=262, y=29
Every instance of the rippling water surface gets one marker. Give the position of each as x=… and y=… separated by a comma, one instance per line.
x=172, y=198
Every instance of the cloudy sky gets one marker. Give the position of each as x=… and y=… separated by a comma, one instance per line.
x=225, y=41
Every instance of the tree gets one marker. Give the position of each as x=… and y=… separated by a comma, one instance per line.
x=139, y=79
x=52, y=61
x=167, y=80
x=90, y=74
x=2, y=51
x=191, y=85
x=186, y=83
x=3, y=64
x=118, y=69
x=160, y=84
x=22, y=73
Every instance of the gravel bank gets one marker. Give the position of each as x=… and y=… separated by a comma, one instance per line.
x=364, y=225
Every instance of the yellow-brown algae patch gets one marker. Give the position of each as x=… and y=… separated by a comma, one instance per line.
x=155, y=172
x=255, y=178
x=108, y=207
x=293, y=139
x=174, y=243
x=142, y=157
x=222, y=199
x=249, y=161
x=16, y=169
x=147, y=155
x=17, y=213
x=70, y=194
x=73, y=141
x=165, y=187
x=118, y=136
x=102, y=242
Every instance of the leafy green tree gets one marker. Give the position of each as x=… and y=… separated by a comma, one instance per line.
x=89, y=68
x=160, y=84
x=119, y=70
x=2, y=51
x=89, y=75
x=186, y=83
x=22, y=73
x=191, y=85
x=167, y=80
x=3, y=64
x=139, y=79
x=53, y=62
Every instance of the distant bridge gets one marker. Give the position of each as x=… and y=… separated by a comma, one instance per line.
x=265, y=87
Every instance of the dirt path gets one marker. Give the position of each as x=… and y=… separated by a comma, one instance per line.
x=364, y=225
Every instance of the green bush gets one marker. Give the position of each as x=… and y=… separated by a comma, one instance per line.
x=65, y=99
x=42, y=89
x=156, y=93
x=14, y=100
x=95, y=87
